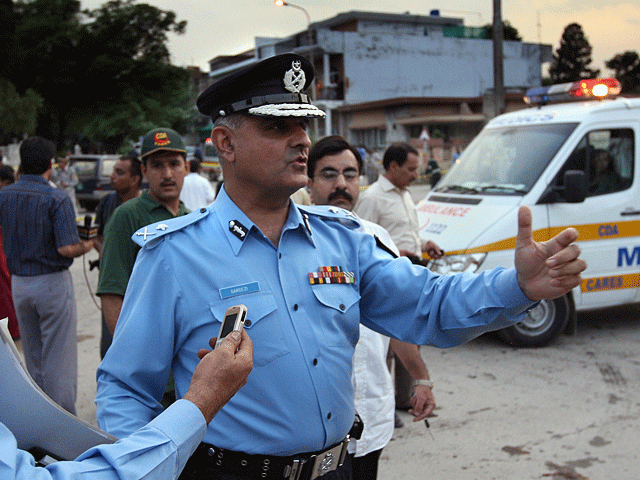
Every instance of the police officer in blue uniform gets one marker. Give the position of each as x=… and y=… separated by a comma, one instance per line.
x=308, y=276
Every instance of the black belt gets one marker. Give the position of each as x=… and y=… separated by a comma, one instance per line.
x=304, y=466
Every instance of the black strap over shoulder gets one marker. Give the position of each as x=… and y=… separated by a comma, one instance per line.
x=381, y=245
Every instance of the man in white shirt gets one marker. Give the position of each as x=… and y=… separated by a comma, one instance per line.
x=334, y=168
x=388, y=203
x=196, y=192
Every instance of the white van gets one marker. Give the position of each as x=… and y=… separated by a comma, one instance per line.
x=573, y=164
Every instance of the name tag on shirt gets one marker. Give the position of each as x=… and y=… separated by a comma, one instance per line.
x=239, y=290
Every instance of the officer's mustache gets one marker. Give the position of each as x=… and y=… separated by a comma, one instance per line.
x=340, y=193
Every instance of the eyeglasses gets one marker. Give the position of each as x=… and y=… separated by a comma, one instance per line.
x=330, y=174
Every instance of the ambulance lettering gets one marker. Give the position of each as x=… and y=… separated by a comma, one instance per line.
x=604, y=283
x=608, y=231
x=628, y=259
x=455, y=211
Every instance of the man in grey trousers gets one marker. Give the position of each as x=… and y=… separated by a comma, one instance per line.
x=40, y=241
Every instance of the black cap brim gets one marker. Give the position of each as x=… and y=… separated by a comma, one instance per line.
x=270, y=88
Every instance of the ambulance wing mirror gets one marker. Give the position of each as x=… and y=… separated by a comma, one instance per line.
x=575, y=186
x=573, y=189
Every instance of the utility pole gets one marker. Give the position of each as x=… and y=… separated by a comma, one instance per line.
x=498, y=59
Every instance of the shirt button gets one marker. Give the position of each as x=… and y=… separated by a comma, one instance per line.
x=342, y=307
x=295, y=307
x=315, y=361
x=202, y=210
x=247, y=323
x=329, y=416
x=279, y=255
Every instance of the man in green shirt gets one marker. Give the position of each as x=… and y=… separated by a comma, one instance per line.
x=164, y=165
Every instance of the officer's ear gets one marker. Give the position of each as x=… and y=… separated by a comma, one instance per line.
x=224, y=140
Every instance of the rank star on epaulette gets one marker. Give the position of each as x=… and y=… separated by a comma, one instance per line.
x=337, y=210
x=326, y=275
x=145, y=234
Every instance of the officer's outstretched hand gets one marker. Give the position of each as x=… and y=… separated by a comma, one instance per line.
x=220, y=373
x=546, y=269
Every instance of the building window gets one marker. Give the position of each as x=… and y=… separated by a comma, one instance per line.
x=370, y=137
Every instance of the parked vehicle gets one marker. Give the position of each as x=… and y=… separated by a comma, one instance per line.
x=94, y=173
x=551, y=158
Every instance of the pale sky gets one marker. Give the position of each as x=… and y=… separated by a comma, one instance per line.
x=224, y=27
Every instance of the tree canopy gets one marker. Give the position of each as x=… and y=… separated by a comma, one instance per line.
x=103, y=75
x=572, y=58
x=18, y=114
x=626, y=67
x=509, y=32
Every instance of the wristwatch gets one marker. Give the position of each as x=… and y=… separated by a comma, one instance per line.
x=426, y=383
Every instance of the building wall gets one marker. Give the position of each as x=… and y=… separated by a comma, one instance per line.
x=380, y=65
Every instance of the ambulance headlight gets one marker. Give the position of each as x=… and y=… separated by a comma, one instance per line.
x=458, y=263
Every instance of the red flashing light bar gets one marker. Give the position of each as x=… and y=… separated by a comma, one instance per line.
x=581, y=90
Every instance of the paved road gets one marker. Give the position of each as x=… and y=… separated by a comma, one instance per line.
x=566, y=411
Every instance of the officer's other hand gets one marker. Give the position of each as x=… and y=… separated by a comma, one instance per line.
x=433, y=250
x=422, y=403
x=220, y=373
x=546, y=269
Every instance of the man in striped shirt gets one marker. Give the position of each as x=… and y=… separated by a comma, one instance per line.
x=40, y=241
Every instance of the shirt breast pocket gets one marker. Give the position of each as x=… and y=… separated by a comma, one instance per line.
x=339, y=313
x=261, y=324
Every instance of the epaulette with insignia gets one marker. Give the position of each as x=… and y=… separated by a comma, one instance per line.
x=151, y=235
x=345, y=217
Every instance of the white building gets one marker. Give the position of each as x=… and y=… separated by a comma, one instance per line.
x=383, y=78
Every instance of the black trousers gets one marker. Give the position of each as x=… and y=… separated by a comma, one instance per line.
x=196, y=469
x=366, y=466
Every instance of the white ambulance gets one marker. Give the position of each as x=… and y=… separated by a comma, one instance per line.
x=574, y=164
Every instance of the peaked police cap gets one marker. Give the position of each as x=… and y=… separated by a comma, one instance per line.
x=271, y=88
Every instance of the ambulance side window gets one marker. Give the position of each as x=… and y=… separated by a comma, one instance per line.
x=607, y=158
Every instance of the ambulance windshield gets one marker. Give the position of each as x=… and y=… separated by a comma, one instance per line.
x=506, y=160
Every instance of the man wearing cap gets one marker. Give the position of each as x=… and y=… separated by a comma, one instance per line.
x=126, y=179
x=164, y=165
x=308, y=276
x=40, y=240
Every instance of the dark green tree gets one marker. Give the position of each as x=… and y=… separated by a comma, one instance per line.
x=626, y=68
x=572, y=58
x=18, y=113
x=509, y=32
x=127, y=63
x=40, y=55
x=104, y=74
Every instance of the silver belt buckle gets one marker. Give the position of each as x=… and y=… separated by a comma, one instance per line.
x=329, y=460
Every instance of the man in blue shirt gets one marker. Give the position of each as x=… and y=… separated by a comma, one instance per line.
x=160, y=449
x=40, y=241
x=308, y=277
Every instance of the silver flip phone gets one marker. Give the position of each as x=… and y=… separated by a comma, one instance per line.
x=233, y=321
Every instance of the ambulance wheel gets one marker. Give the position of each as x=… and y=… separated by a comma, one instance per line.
x=541, y=325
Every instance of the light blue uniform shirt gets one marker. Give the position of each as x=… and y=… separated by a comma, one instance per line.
x=157, y=451
x=299, y=396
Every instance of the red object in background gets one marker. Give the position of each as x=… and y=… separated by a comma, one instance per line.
x=6, y=300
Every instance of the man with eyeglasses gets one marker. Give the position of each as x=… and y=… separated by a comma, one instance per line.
x=334, y=168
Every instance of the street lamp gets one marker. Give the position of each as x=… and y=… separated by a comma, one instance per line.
x=282, y=3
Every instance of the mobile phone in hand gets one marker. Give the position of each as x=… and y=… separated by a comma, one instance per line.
x=233, y=321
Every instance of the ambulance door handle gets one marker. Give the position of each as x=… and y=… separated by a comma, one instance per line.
x=630, y=212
